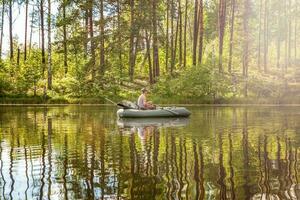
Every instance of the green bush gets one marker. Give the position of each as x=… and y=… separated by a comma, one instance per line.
x=5, y=85
x=67, y=86
x=200, y=82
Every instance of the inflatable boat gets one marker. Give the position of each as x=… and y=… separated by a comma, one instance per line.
x=159, y=112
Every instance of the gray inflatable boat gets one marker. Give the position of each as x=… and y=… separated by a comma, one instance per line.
x=159, y=112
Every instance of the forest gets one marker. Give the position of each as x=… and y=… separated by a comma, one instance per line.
x=186, y=51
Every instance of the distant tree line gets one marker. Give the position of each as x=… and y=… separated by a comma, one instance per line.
x=96, y=42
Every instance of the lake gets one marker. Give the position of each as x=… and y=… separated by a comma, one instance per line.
x=85, y=152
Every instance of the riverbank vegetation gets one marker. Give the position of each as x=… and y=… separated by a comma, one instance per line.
x=186, y=51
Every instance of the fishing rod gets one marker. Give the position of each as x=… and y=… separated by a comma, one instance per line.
x=118, y=104
x=107, y=99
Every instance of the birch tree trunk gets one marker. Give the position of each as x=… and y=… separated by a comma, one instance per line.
x=2, y=27
x=43, y=34
x=26, y=23
x=10, y=31
x=49, y=47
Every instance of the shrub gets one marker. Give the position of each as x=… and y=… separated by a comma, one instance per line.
x=200, y=82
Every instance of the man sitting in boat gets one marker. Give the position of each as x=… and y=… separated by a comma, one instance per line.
x=143, y=104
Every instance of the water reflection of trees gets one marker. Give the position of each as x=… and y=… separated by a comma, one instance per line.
x=69, y=154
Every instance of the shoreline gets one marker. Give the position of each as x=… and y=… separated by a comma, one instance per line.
x=187, y=105
x=170, y=101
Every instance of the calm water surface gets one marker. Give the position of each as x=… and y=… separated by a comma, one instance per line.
x=85, y=152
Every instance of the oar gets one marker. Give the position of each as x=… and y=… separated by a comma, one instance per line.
x=171, y=111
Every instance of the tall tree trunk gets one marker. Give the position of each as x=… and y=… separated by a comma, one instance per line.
x=259, y=35
x=246, y=44
x=231, y=36
x=175, y=47
x=295, y=32
x=136, y=43
x=119, y=38
x=86, y=21
x=65, y=37
x=102, y=55
x=31, y=30
x=155, y=40
x=172, y=36
x=18, y=57
x=184, y=35
x=285, y=36
x=290, y=32
x=10, y=31
x=180, y=33
x=43, y=34
x=26, y=20
x=266, y=38
x=2, y=27
x=195, y=38
x=278, y=34
x=149, y=58
x=167, y=37
x=201, y=31
x=131, y=41
x=39, y=21
x=49, y=47
x=92, y=39
x=222, y=21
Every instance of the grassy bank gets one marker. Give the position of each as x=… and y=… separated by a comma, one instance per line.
x=202, y=85
x=57, y=100
x=155, y=99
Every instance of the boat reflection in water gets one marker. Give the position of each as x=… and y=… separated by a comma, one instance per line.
x=148, y=126
x=155, y=122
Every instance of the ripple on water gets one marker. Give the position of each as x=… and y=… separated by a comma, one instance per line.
x=232, y=152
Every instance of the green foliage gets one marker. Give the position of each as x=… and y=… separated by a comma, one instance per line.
x=122, y=24
x=195, y=83
x=67, y=86
x=265, y=86
x=5, y=85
